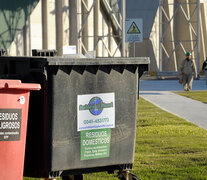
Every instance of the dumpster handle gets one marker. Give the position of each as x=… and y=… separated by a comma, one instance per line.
x=16, y=84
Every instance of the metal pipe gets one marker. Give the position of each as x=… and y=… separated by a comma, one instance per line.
x=123, y=11
x=198, y=39
x=72, y=22
x=160, y=36
x=85, y=25
x=44, y=25
x=25, y=39
x=96, y=26
x=78, y=22
x=59, y=27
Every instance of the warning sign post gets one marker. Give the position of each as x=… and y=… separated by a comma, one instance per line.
x=134, y=30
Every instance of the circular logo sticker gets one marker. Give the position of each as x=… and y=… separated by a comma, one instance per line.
x=95, y=105
x=22, y=100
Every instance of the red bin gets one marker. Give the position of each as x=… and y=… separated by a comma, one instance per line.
x=14, y=102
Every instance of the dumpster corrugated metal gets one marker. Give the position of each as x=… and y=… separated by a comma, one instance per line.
x=55, y=142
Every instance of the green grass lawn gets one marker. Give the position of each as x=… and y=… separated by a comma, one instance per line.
x=167, y=147
x=197, y=95
x=28, y=178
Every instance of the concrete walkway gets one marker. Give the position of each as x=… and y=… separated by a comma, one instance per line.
x=159, y=93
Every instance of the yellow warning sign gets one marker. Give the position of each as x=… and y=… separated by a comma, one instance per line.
x=133, y=29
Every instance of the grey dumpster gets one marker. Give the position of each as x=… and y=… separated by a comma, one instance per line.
x=84, y=118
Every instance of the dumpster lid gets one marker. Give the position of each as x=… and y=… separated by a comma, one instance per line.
x=17, y=84
x=98, y=61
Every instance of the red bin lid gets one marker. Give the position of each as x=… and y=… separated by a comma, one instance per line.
x=17, y=84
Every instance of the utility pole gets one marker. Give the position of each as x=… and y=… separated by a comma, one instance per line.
x=198, y=39
x=59, y=27
x=123, y=12
x=44, y=25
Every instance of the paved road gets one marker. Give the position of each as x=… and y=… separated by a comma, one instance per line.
x=160, y=93
x=169, y=85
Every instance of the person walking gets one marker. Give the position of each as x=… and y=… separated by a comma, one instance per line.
x=187, y=70
x=204, y=68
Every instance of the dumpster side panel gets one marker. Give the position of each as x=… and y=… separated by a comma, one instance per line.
x=12, y=152
x=68, y=83
x=31, y=70
x=36, y=146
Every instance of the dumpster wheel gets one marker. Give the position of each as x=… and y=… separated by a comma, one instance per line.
x=127, y=175
x=72, y=177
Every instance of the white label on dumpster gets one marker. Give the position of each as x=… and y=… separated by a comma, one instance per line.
x=22, y=100
x=96, y=111
x=95, y=143
x=10, y=124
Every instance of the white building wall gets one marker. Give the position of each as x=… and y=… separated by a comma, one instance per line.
x=34, y=35
x=34, y=30
x=154, y=39
x=51, y=25
x=17, y=47
x=149, y=48
x=66, y=32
